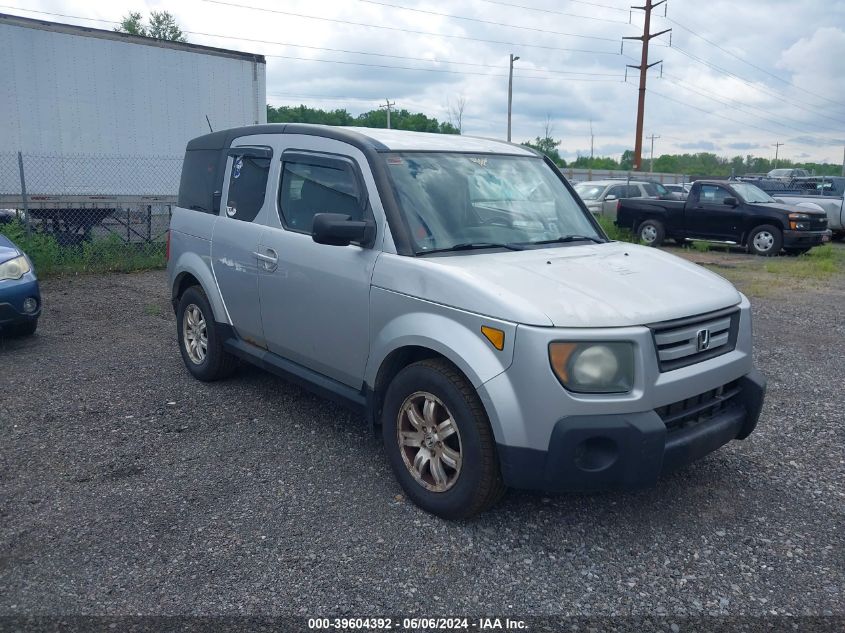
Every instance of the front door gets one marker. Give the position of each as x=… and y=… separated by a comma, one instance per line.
x=236, y=238
x=315, y=301
x=710, y=218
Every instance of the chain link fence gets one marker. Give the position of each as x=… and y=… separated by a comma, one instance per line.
x=89, y=212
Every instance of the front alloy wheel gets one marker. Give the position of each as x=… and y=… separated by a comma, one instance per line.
x=439, y=442
x=429, y=441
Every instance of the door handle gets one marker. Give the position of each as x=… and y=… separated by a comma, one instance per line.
x=269, y=260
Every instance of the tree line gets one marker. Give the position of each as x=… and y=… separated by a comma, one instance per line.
x=399, y=119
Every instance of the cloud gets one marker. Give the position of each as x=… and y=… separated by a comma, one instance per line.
x=769, y=79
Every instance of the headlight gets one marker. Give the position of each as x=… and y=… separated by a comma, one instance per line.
x=593, y=367
x=14, y=268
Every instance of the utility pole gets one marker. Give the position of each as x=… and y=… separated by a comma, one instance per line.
x=388, y=104
x=645, y=38
x=592, y=142
x=777, y=147
x=510, y=93
x=651, y=165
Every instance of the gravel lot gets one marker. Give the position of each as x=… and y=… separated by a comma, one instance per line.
x=127, y=487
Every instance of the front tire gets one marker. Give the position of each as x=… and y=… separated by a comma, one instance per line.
x=199, y=342
x=26, y=329
x=765, y=240
x=651, y=233
x=438, y=441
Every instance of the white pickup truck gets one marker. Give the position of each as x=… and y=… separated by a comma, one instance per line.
x=819, y=192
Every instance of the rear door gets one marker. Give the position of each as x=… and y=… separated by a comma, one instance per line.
x=315, y=300
x=616, y=192
x=710, y=218
x=234, y=245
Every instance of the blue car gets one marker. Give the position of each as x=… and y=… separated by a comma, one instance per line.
x=20, y=296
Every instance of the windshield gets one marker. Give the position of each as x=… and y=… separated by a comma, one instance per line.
x=779, y=173
x=588, y=191
x=752, y=193
x=451, y=200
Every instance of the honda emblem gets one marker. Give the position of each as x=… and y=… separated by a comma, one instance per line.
x=702, y=340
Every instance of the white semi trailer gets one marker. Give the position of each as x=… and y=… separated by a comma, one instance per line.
x=101, y=119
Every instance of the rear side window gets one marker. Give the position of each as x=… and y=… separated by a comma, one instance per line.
x=247, y=185
x=310, y=189
x=196, y=189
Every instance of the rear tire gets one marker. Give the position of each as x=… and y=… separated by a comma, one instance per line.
x=199, y=342
x=651, y=233
x=765, y=240
x=438, y=441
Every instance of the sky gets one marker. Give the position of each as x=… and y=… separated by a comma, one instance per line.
x=739, y=76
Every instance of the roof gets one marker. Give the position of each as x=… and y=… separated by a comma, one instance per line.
x=84, y=31
x=377, y=139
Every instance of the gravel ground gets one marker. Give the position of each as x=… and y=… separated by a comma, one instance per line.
x=127, y=487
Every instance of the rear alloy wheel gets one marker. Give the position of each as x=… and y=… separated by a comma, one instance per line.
x=765, y=240
x=651, y=233
x=439, y=442
x=199, y=342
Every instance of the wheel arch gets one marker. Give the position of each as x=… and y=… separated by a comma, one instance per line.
x=194, y=271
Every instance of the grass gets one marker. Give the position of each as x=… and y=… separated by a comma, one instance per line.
x=110, y=254
x=614, y=232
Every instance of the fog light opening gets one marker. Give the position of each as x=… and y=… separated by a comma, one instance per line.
x=596, y=453
x=30, y=305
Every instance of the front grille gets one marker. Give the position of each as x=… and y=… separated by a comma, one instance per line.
x=818, y=223
x=691, y=411
x=684, y=342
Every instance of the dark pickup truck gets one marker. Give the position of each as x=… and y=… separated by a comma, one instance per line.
x=732, y=212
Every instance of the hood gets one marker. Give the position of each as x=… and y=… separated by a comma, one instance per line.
x=8, y=250
x=596, y=285
x=792, y=208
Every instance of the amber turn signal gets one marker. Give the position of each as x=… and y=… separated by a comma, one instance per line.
x=496, y=337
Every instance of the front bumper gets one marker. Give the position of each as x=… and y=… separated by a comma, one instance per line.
x=13, y=293
x=801, y=239
x=594, y=452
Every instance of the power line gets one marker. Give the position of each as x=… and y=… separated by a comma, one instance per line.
x=801, y=105
x=404, y=30
x=510, y=26
x=608, y=76
x=744, y=61
x=592, y=4
x=733, y=103
x=431, y=70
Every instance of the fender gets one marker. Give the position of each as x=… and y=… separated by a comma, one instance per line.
x=400, y=320
x=200, y=267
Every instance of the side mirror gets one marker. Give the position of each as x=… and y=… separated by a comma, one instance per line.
x=338, y=229
x=731, y=201
x=610, y=198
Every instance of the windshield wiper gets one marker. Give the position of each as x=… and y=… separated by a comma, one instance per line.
x=568, y=238
x=469, y=246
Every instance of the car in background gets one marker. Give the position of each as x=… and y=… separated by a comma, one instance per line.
x=20, y=296
x=601, y=196
x=728, y=212
x=681, y=191
x=787, y=174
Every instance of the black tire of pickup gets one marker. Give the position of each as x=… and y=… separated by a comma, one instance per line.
x=651, y=232
x=217, y=363
x=765, y=240
x=478, y=484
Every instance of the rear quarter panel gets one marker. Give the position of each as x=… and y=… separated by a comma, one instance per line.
x=190, y=254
